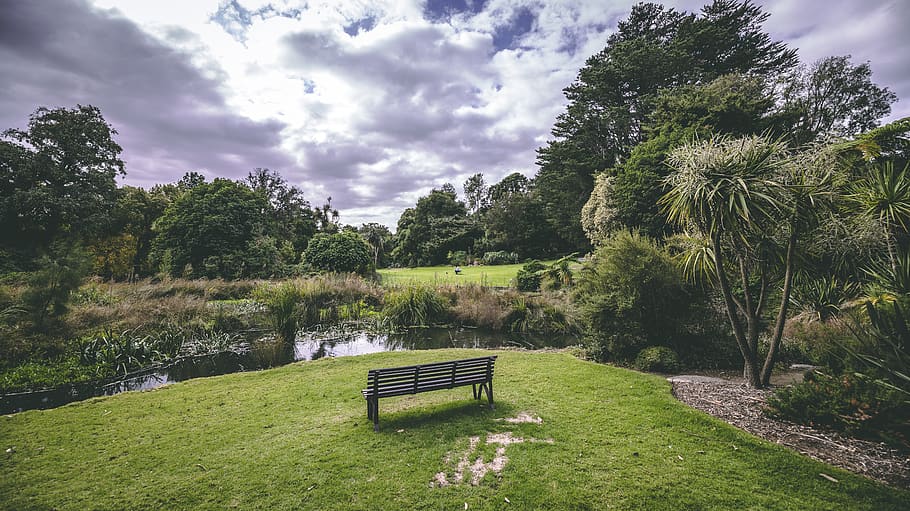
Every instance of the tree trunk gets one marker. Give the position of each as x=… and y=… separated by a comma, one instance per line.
x=782, y=312
x=750, y=369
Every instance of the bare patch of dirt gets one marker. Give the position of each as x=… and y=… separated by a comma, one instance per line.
x=479, y=468
x=524, y=418
x=742, y=406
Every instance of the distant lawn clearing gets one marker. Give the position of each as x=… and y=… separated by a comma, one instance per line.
x=498, y=275
x=297, y=437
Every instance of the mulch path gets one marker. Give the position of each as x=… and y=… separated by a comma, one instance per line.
x=742, y=406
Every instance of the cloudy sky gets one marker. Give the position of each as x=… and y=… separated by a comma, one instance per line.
x=370, y=102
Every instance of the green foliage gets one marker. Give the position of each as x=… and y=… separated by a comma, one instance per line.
x=282, y=303
x=849, y=402
x=291, y=218
x=61, y=171
x=122, y=351
x=529, y=277
x=832, y=99
x=499, y=257
x=458, y=258
x=537, y=315
x=657, y=359
x=823, y=297
x=343, y=252
x=437, y=225
x=208, y=229
x=415, y=306
x=558, y=274
x=632, y=295
x=381, y=242
x=513, y=220
x=50, y=373
x=49, y=287
x=615, y=93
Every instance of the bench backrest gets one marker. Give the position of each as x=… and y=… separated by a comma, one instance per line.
x=395, y=381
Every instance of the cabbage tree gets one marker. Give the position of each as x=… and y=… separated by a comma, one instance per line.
x=750, y=200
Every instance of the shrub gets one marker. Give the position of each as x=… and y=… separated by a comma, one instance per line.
x=415, y=306
x=529, y=277
x=343, y=252
x=49, y=288
x=657, y=359
x=532, y=314
x=500, y=257
x=816, y=342
x=632, y=295
x=849, y=402
x=458, y=258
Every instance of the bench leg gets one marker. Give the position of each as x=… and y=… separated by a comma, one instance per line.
x=376, y=414
x=474, y=391
x=489, y=387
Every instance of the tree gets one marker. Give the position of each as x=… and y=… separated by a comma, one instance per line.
x=833, y=98
x=731, y=104
x=475, y=192
x=209, y=228
x=292, y=218
x=738, y=194
x=516, y=223
x=343, y=252
x=437, y=225
x=59, y=178
x=655, y=49
x=379, y=237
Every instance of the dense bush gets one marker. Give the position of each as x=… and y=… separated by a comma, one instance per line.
x=820, y=343
x=529, y=276
x=500, y=257
x=458, y=258
x=657, y=359
x=343, y=252
x=49, y=288
x=630, y=296
x=849, y=402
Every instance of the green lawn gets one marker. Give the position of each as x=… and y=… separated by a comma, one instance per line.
x=297, y=437
x=499, y=275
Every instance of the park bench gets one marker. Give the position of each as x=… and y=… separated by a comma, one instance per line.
x=399, y=381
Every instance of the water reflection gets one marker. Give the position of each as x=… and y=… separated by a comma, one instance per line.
x=269, y=353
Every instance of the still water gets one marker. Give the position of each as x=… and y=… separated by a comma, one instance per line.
x=262, y=355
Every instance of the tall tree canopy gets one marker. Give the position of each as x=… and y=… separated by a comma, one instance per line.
x=656, y=48
x=208, y=229
x=439, y=224
x=58, y=178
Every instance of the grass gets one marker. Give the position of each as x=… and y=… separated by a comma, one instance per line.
x=499, y=275
x=297, y=437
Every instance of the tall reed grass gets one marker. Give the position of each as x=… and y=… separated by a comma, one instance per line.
x=415, y=306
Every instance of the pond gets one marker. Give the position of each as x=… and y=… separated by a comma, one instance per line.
x=262, y=355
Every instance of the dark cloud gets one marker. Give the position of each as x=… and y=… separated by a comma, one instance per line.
x=171, y=117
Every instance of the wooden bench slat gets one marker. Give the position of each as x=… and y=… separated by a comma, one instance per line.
x=458, y=382
x=425, y=376
x=467, y=361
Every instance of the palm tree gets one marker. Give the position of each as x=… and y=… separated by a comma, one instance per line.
x=739, y=194
x=885, y=195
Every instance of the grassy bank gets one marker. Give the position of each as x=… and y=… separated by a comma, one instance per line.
x=297, y=437
x=500, y=276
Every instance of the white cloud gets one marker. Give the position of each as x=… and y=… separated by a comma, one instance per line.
x=373, y=104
